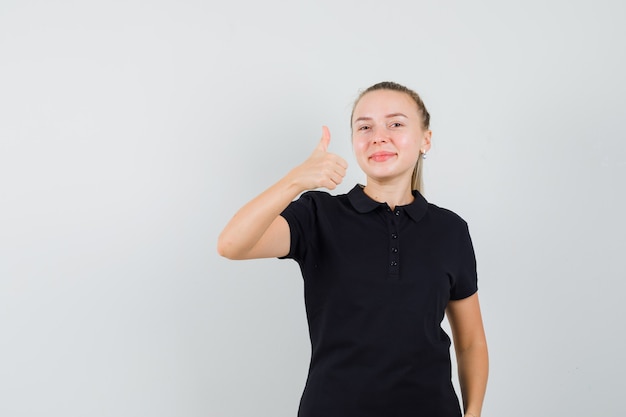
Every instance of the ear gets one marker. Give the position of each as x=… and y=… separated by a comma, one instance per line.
x=426, y=140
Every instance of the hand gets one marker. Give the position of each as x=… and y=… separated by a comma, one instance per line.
x=322, y=168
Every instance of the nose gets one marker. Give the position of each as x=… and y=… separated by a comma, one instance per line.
x=380, y=136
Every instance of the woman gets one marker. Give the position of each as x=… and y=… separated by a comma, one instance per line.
x=381, y=267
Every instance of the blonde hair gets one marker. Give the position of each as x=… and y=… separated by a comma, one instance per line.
x=417, y=180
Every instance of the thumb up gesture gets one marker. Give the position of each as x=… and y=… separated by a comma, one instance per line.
x=322, y=168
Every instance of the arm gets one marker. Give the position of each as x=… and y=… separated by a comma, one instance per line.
x=470, y=346
x=257, y=230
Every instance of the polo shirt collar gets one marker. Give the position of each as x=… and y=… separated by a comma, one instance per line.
x=362, y=203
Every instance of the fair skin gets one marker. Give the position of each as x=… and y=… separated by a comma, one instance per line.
x=388, y=136
x=258, y=230
x=470, y=346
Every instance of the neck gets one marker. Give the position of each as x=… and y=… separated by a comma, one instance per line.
x=392, y=194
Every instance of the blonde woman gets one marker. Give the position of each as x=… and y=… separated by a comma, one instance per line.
x=381, y=267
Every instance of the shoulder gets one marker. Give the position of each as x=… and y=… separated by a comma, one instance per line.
x=445, y=216
x=446, y=222
x=313, y=204
x=453, y=232
x=315, y=195
x=320, y=198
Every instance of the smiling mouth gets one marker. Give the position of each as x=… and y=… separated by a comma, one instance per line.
x=382, y=156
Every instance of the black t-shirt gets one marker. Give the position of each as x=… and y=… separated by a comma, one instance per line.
x=377, y=283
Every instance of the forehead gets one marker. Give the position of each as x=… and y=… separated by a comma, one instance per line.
x=382, y=102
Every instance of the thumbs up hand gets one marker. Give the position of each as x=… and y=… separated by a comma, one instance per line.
x=322, y=168
x=325, y=141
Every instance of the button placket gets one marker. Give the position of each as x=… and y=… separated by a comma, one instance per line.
x=394, y=243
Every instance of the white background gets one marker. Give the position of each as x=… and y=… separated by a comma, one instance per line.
x=130, y=132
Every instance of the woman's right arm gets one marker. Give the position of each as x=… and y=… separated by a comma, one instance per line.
x=258, y=230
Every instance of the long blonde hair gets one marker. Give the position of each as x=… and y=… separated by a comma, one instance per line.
x=417, y=180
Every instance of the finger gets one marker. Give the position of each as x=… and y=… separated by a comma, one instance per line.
x=341, y=171
x=339, y=161
x=332, y=182
x=342, y=163
x=325, y=141
x=336, y=178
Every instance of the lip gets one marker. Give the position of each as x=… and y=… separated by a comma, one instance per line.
x=381, y=156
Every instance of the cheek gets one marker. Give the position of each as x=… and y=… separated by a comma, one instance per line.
x=359, y=146
x=409, y=142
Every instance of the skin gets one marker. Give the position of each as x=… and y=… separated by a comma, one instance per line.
x=257, y=230
x=387, y=136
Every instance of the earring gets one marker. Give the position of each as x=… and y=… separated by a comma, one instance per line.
x=423, y=155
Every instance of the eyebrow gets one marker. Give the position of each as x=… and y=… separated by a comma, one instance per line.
x=389, y=116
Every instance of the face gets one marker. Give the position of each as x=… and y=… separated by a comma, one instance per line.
x=387, y=135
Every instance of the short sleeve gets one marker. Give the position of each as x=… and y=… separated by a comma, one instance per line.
x=465, y=281
x=301, y=217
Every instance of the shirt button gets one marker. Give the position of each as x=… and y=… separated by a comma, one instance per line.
x=394, y=263
x=397, y=212
x=394, y=250
x=394, y=236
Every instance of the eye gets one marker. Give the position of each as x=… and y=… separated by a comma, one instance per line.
x=396, y=124
x=364, y=127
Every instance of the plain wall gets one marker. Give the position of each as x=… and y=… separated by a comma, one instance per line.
x=131, y=131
